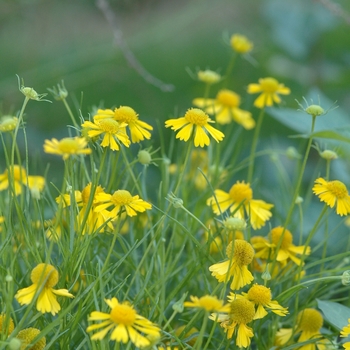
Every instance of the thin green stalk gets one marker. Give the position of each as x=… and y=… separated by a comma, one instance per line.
x=70, y=113
x=199, y=341
x=229, y=69
x=187, y=156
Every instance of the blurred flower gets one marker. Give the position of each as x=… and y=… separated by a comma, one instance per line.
x=241, y=313
x=6, y=324
x=240, y=254
x=208, y=303
x=26, y=336
x=19, y=178
x=328, y=154
x=125, y=323
x=225, y=107
x=112, y=132
x=240, y=201
x=269, y=88
x=261, y=297
x=36, y=185
x=44, y=277
x=199, y=121
x=122, y=199
x=67, y=147
x=208, y=76
x=333, y=192
x=240, y=43
x=8, y=123
x=345, y=332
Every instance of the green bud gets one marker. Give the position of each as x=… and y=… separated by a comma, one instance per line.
x=208, y=76
x=315, y=110
x=14, y=344
x=345, y=280
x=328, y=155
x=233, y=224
x=144, y=157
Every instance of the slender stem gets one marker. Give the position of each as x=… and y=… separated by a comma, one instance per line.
x=229, y=69
x=188, y=152
x=254, y=144
x=70, y=113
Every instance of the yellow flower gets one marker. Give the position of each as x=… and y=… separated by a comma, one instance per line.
x=26, y=336
x=199, y=121
x=240, y=201
x=125, y=323
x=241, y=313
x=44, y=277
x=94, y=220
x=333, y=193
x=309, y=323
x=122, y=199
x=36, y=185
x=67, y=147
x=345, y=332
x=6, y=324
x=226, y=108
x=240, y=43
x=19, y=178
x=112, y=132
x=240, y=254
x=261, y=297
x=270, y=88
x=287, y=249
x=208, y=303
x=8, y=123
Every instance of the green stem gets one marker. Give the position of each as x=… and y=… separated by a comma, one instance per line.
x=70, y=113
x=229, y=69
x=188, y=152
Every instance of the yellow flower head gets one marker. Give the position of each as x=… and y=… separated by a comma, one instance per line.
x=241, y=313
x=226, y=108
x=67, y=147
x=113, y=132
x=138, y=129
x=240, y=201
x=26, y=336
x=198, y=120
x=125, y=324
x=6, y=324
x=333, y=193
x=269, y=88
x=345, y=332
x=287, y=250
x=122, y=199
x=261, y=297
x=240, y=43
x=208, y=303
x=240, y=254
x=44, y=277
x=8, y=123
x=208, y=76
x=16, y=175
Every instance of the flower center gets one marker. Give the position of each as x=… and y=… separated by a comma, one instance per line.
x=68, y=145
x=44, y=273
x=109, y=125
x=121, y=197
x=228, y=98
x=243, y=253
x=242, y=311
x=196, y=116
x=123, y=314
x=276, y=234
x=310, y=320
x=241, y=192
x=268, y=85
x=125, y=114
x=27, y=336
x=259, y=294
x=337, y=188
x=8, y=123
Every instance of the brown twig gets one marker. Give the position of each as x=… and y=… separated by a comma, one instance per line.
x=336, y=9
x=103, y=5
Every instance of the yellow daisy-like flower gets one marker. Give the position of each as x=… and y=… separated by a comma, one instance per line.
x=226, y=108
x=122, y=199
x=240, y=200
x=333, y=193
x=16, y=175
x=6, y=324
x=198, y=120
x=111, y=130
x=208, y=303
x=241, y=313
x=309, y=323
x=67, y=147
x=36, y=185
x=345, y=332
x=287, y=249
x=8, y=123
x=44, y=278
x=125, y=323
x=241, y=44
x=240, y=254
x=269, y=88
x=261, y=297
x=26, y=336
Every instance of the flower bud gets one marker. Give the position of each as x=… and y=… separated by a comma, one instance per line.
x=144, y=157
x=292, y=153
x=315, y=110
x=345, y=280
x=299, y=200
x=329, y=155
x=240, y=43
x=208, y=76
x=8, y=123
x=14, y=344
x=234, y=224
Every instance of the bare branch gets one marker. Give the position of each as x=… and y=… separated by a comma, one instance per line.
x=103, y=5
